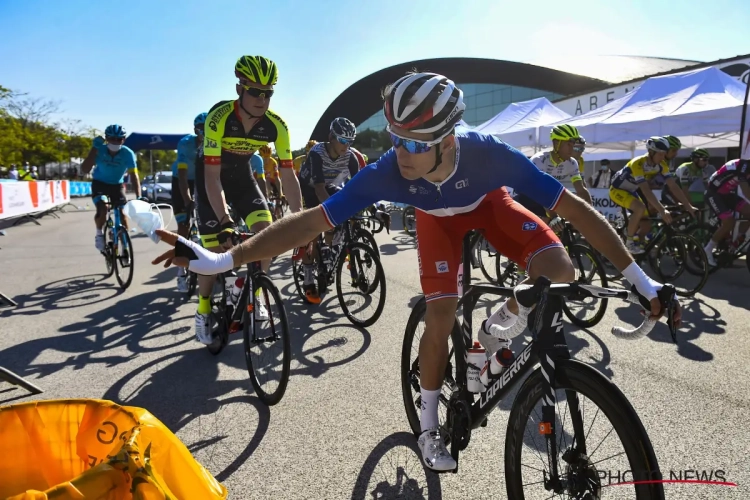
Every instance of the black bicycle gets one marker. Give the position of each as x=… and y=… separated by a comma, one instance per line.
x=567, y=462
x=365, y=274
x=672, y=255
x=259, y=311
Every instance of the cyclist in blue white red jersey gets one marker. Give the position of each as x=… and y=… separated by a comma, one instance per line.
x=328, y=166
x=723, y=197
x=112, y=161
x=456, y=179
x=183, y=184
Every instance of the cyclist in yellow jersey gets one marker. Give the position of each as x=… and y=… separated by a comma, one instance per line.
x=635, y=179
x=234, y=130
x=271, y=173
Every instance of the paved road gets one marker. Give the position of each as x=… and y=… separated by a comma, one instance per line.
x=341, y=431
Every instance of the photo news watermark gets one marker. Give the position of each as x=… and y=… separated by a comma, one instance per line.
x=712, y=477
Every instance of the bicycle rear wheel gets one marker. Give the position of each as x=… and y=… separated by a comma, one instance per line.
x=268, y=350
x=583, y=457
x=219, y=317
x=679, y=253
x=410, y=381
x=123, y=258
x=365, y=276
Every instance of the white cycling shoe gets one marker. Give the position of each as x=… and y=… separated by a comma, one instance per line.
x=203, y=328
x=435, y=455
x=99, y=242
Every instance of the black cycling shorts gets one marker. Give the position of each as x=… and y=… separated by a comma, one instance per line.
x=178, y=204
x=532, y=206
x=115, y=193
x=724, y=205
x=241, y=192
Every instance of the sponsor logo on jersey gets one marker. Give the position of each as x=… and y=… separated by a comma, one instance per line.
x=442, y=266
x=529, y=226
x=413, y=189
x=277, y=117
x=218, y=115
x=210, y=143
x=462, y=184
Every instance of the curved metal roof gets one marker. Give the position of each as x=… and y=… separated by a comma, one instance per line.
x=363, y=98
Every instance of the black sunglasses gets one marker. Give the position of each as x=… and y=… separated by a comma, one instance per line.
x=256, y=92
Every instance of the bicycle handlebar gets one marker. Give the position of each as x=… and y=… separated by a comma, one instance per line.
x=528, y=295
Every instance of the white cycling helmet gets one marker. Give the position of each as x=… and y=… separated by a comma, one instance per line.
x=425, y=103
x=657, y=144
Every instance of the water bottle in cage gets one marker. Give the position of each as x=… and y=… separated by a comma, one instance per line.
x=325, y=252
x=475, y=362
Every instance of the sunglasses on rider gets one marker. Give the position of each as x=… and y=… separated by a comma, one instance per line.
x=256, y=92
x=344, y=140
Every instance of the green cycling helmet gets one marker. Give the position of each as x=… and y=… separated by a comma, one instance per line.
x=674, y=142
x=699, y=153
x=564, y=133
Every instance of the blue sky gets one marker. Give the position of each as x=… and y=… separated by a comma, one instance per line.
x=153, y=65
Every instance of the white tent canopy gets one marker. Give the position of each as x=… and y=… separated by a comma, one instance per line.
x=702, y=107
x=517, y=123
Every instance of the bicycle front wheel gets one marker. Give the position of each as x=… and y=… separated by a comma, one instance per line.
x=366, y=279
x=589, y=271
x=591, y=455
x=364, y=236
x=123, y=258
x=268, y=350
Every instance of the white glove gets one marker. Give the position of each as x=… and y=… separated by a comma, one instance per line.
x=201, y=260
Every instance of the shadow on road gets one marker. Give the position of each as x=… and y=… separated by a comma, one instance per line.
x=393, y=469
x=185, y=394
x=137, y=320
x=66, y=293
x=402, y=242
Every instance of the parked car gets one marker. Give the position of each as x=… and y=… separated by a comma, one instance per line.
x=158, y=187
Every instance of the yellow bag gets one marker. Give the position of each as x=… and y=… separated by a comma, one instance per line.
x=71, y=448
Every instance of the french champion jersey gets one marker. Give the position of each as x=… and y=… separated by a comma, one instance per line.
x=567, y=172
x=483, y=164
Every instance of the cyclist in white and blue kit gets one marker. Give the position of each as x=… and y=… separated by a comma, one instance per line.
x=112, y=161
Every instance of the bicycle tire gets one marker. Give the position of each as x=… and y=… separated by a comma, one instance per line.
x=697, y=256
x=298, y=272
x=379, y=280
x=364, y=236
x=583, y=379
x=261, y=280
x=411, y=401
x=407, y=214
x=123, y=235
x=702, y=232
x=108, y=254
x=598, y=269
